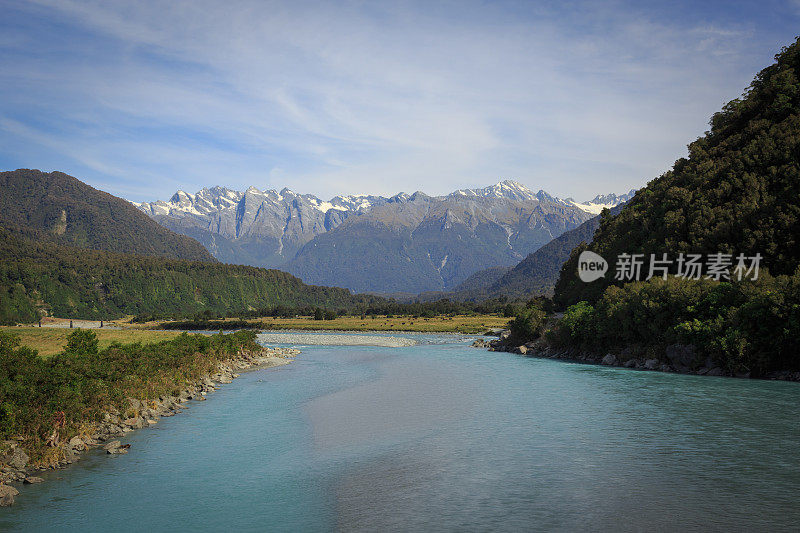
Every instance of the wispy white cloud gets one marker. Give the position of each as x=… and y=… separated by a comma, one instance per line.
x=359, y=97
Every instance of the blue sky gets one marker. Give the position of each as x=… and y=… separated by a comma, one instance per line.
x=577, y=98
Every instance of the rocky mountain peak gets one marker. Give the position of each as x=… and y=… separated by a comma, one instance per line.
x=182, y=197
x=507, y=189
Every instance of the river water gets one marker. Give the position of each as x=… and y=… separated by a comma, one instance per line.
x=442, y=436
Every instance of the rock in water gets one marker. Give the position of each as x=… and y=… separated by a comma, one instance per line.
x=7, y=494
x=33, y=479
x=609, y=359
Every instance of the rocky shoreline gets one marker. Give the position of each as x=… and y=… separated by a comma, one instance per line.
x=138, y=414
x=677, y=358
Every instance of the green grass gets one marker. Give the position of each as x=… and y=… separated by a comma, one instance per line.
x=50, y=341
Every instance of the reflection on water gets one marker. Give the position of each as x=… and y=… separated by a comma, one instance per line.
x=446, y=437
x=407, y=399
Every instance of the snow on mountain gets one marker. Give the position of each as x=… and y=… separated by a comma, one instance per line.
x=269, y=228
x=602, y=201
x=216, y=199
x=507, y=189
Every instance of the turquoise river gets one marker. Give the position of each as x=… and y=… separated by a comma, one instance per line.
x=444, y=437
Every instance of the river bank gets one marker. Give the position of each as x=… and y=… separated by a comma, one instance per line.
x=676, y=358
x=444, y=437
x=135, y=413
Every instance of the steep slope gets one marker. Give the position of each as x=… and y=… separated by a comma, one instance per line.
x=67, y=211
x=737, y=192
x=420, y=243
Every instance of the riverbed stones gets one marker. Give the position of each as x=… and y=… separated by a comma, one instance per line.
x=134, y=423
x=609, y=359
x=12, y=454
x=30, y=480
x=115, y=447
x=7, y=494
x=682, y=356
x=651, y=364
x=76, y=443
x=134, y=403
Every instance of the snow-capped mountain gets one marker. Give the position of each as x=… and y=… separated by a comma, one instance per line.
x=208, y=201
x=373, y=243
x=603, y=201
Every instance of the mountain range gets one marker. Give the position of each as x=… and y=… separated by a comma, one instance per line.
x=70, y=250
x=402, y=243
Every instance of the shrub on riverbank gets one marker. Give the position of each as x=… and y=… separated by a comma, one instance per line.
x=528, y=324
x=46, y=401
x=744, y=326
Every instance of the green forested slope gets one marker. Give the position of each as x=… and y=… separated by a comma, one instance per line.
x=38, y=276
x=738, y=191
x=67, y=211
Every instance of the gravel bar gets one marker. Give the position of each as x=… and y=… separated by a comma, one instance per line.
x=335, y=340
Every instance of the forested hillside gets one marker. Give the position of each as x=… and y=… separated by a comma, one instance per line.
x=38, y=276
x=738, y=191
x=66, y=211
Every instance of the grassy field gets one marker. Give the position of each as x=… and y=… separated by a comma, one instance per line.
x=50, y=341
x=456, y=324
